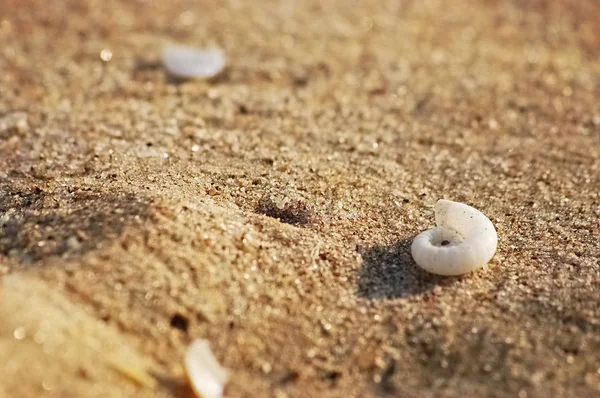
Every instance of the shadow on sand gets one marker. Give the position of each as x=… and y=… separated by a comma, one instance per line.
x=389, y=272
x=37, y=223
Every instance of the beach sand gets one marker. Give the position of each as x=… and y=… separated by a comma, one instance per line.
x=270, y=210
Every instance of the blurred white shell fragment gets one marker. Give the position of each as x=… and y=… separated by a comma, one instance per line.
x=463, y=240
x=189, y=62
x=206, y=375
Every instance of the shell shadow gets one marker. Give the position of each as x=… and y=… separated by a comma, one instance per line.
x=179, y=387
x=37, y=223
x=389, y=272
x=220, y=78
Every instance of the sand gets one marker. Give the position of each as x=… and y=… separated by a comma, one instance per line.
x=270, y=210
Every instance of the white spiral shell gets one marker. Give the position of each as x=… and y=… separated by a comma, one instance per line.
x=463, y=240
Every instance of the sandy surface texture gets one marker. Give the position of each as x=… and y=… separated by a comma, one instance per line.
x=270, y=210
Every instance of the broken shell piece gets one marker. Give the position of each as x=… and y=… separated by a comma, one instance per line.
x=206, y=375
x=132, y=369
x=189, y=62
x=463, y=240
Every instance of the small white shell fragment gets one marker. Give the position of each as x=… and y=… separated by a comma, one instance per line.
x=189, y=62
x=206, y=375
x=463, y=240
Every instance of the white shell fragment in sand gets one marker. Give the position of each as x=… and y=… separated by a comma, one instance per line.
x=463, y=240
x=189, y=62
x=205, y=373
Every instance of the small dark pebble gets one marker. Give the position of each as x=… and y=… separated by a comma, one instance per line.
x=180, y=322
